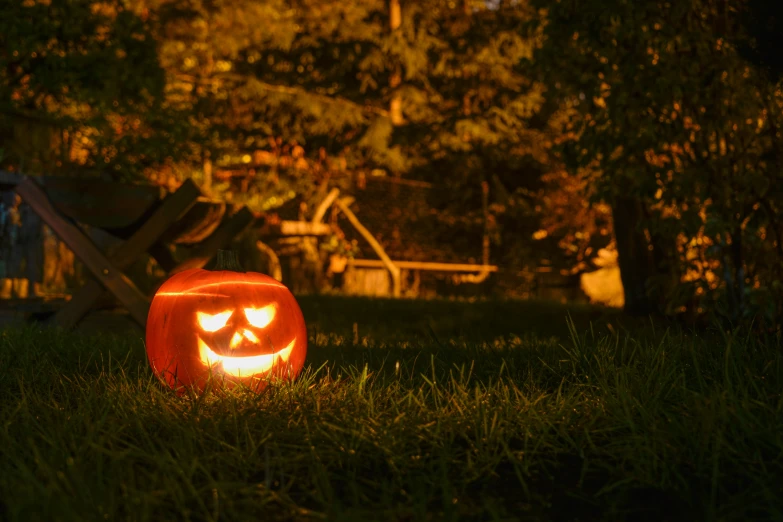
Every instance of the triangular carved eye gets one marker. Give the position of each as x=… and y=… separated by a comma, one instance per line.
x=261, y=317
x=213, y=323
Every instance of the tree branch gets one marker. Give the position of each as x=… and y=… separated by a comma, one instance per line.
x=286, y=89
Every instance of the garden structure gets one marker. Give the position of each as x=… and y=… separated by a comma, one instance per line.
x=146, y=219
x=402, y=245
x=388, y=236
x=150, y=220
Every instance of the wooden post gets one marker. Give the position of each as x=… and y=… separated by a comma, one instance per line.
x=483, y=274
x=320, y=212
x=309, y=245
x=395, y=106
x=393, y=269
x=206, y=183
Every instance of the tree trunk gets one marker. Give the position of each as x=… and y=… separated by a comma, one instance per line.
x=206, y=182
x=634, y=256
x=395, y=106
x=667, y=269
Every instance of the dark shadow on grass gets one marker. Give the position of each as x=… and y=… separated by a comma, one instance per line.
x=396, y=319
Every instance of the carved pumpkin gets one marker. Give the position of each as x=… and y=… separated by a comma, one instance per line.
x=226, y=324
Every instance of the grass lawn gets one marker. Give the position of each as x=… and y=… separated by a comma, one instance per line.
x=440, y=411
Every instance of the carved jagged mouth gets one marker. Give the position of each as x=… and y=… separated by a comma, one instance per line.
x=243, y=366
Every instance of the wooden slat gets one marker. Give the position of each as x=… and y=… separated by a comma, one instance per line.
x=226, y=232
x=295, y=228
x=393, y=269
x=201, y=220
x=423, y=265
x=327, y=202
x=81, y=245
x=172, y=209
x=196, y=229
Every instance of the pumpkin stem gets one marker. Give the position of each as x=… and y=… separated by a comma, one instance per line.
x=227, y=260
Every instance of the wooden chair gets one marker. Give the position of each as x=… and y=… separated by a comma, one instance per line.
x=147, y=219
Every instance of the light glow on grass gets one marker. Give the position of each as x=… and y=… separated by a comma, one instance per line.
x=562, y=421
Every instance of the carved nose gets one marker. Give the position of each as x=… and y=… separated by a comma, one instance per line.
x=240, y=335
x=237, y=322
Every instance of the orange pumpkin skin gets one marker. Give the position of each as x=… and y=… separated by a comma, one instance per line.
x=236, y=327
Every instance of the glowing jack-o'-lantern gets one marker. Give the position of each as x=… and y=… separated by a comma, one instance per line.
x=227, y=324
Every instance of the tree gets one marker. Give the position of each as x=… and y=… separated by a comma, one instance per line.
x=762, y=21
x=335, y=88
x=80, y=86
x=279, y=107
x=680, y=128
x=474, y=117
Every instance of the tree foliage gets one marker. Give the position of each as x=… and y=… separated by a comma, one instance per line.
x=81, y=87
x=683, y=132
x=646, y=125
x=475, y=113
x=298, y=86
